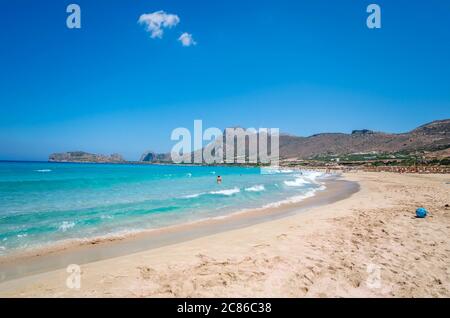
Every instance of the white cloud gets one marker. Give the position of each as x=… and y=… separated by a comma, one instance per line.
x=186, y=39
x=156, y=22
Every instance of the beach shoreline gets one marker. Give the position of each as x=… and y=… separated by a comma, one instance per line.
x=326, y=251
x=81, y=251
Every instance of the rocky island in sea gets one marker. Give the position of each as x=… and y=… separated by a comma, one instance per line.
x=81, y=156
x=153, y=157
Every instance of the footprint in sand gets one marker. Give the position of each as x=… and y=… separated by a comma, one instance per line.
x=261, y=245
x=146, y=272
x=282, y=236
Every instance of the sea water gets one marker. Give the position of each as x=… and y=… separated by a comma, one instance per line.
x=46, y=203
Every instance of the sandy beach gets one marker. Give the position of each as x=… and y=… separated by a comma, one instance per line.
x=367, y=245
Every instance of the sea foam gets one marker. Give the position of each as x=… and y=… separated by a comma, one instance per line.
x=256, y=188
x=66, y=226
x=296, y=183
x=192, y=196
x=227, y=192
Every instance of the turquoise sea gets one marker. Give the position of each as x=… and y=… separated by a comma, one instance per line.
x=46, y=203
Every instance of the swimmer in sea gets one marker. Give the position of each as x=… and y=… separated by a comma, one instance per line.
x=219, y=179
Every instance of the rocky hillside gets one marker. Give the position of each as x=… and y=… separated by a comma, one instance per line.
x=431, y=137
x=81, y=156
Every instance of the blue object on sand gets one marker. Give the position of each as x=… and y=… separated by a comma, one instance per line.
x=421, y=213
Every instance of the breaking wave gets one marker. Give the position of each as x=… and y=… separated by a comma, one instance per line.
x=256, y=188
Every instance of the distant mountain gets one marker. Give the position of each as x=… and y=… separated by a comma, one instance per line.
x=81, y=156
x=431, y=138
x=434, y=136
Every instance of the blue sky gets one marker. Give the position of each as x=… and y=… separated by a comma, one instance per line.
x=303, y=66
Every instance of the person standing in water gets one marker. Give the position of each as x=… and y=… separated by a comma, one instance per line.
x=219, y=179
